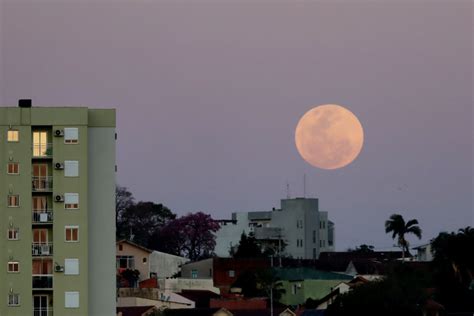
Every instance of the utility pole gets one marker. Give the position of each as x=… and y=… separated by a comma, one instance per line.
x=271, y=287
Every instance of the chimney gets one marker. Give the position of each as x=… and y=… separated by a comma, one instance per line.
x=24, y=103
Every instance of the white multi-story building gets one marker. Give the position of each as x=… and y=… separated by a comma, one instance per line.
x=304, y=229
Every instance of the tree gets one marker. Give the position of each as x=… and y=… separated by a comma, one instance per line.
x=401, y=292
x=123, y=200
x=362, y=249
x=454, y=269
x=140, y=221
x=397, y=226
x=191, y=236
x=248, y=247
x=260, y=283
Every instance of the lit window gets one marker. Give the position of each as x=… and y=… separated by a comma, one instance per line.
x=13, y=168
x=72, y=233
x=71, y=200
x=231, y=273
x=13, y=267
x=71, y=266
x=13, y=299
x=13, y=201
x=13, y=136
x=144, y=260
x=71, y=135
x=13, y=234
x=71, y=299
x=194, y=274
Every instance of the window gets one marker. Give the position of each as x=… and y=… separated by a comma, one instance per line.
x=301, y=242
x=13, y=200
x=194, y=274
x=72, y=233
x=13, y=267
x=120, y=247
x=125, y=262
x=13, y=136
x=294, y=288
x=314, y=253
x=13, y=233
x=71, y=299
x=71, y=168
x=144, y=260
x=13, y=168
x=71, y=135
x=13, y=299
x=71, y=266
x=71, y=200
x=231, y=273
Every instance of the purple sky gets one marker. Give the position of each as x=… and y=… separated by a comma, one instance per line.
x=208, y=96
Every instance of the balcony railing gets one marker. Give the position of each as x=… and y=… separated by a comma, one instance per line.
x=42, y=249
x=42, y=184
x=42, y=281
x=42, y=150
x=43, y=311
x=42, y=216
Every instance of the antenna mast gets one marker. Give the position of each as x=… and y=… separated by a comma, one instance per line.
x=304, y=185
x=288, y=190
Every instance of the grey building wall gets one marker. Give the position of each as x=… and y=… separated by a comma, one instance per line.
x=203, y=269
x=304, y=228
x=165, y=265
x=102, y=298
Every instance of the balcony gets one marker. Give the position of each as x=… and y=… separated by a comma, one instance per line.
x=42, y=281
x=43, y=311
x=42, y=150
x=42, y=216
x=42, y=249
x=42, y=184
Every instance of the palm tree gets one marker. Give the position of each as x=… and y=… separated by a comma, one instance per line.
x=396, y=224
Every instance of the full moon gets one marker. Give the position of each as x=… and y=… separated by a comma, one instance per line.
x=329, y=136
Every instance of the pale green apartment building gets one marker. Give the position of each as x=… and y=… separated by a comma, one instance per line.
x=57, y=211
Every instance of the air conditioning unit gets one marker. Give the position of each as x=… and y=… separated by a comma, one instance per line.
x=59, y=198
x=59, y=133
x=58, y=166
x=58, y=268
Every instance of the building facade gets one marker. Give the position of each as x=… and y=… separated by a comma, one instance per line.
x=57, y=201
x=299, y=224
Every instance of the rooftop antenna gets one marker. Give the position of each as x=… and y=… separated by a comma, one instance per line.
x=288, y=190
x=304, y=185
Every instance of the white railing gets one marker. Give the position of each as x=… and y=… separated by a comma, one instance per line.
x=43, y=311
x=42, y=216
x=43, y=183
x=42, y=249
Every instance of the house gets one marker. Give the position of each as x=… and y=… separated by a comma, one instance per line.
x=132, y=256
x=278, y=311
x=149, y=263
x=344, y=287
x=201, y=298
x=223, y=271
x=136, y=311
x=303, y=283
x=423, y=253
x=239, y=303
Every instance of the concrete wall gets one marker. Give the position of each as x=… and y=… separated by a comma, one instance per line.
x=203, y=268
x=179, y=284
x=165, y=265
x=102, y=280
x=138, y=301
